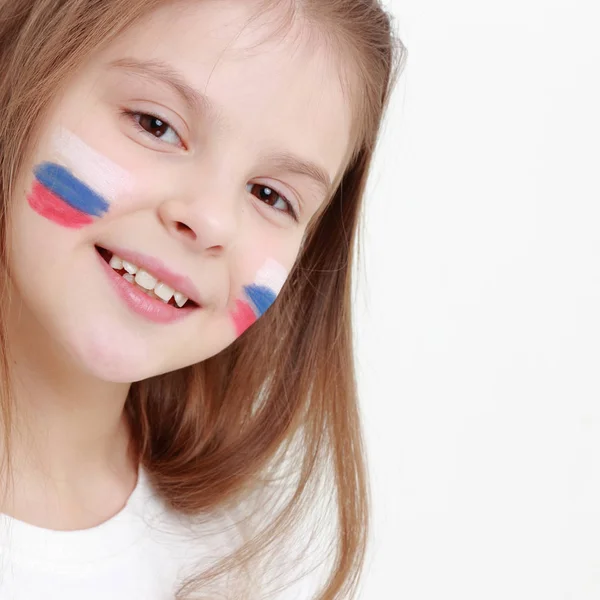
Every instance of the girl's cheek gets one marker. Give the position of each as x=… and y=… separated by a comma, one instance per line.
x=258, y=295
x=80, y=186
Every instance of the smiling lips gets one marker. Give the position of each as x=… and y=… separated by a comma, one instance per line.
x=150, y=284
x=141, y=301
x=152, y=272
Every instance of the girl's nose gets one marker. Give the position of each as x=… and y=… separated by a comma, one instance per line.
x=203, y=224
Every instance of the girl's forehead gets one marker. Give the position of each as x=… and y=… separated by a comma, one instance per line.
x=249, y=74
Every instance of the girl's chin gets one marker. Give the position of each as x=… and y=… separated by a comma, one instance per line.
x=111, y=350
x=126, y=359
x=117, y=366
x=115, y=356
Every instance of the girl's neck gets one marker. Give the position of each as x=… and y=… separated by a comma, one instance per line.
x=70, y=450
x=54, y=491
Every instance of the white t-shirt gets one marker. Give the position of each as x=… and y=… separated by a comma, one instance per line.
x=139, y=554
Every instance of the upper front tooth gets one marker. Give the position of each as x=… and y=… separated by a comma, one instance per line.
x=130, y=267
x=180, y=299
x=116, y=262
x=145, y=280
x=163, y=291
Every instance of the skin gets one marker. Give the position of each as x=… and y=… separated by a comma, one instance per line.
x=77, y=348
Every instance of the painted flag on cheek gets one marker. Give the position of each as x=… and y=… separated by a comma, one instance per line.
x=254, y=305
x=259, y=296
x=79, y=185
x=60, y=196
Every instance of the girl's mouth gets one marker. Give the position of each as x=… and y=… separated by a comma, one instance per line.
x=145, y=282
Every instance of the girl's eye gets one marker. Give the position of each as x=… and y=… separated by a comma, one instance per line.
x=156, y=127
x=272, y=198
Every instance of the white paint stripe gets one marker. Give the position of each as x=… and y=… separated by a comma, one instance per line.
x=271, y=274
x=93, y=168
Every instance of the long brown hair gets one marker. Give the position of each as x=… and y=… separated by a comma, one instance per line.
x=279, y=404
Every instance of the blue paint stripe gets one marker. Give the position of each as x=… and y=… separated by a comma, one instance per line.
x=73, y=191
x=261, y=297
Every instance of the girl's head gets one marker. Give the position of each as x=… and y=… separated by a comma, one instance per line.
x=198, y=144
x=222, y=146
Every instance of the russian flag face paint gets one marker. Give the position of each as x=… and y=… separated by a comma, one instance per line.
x=259, y=296
x=76, y=189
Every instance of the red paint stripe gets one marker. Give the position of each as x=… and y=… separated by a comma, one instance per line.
x=48, y=205
x=243, y=316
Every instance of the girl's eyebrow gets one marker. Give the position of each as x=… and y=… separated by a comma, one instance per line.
x=284, y=161
x=166, y=74
x=200, y=104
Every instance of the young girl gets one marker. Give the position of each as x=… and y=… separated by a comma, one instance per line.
x=181, y=183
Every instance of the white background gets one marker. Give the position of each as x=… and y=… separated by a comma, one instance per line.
x=478, y=307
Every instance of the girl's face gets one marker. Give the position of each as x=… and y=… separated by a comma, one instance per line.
x=190, y=155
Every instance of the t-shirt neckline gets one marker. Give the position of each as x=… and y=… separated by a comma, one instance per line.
x=80, y=546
